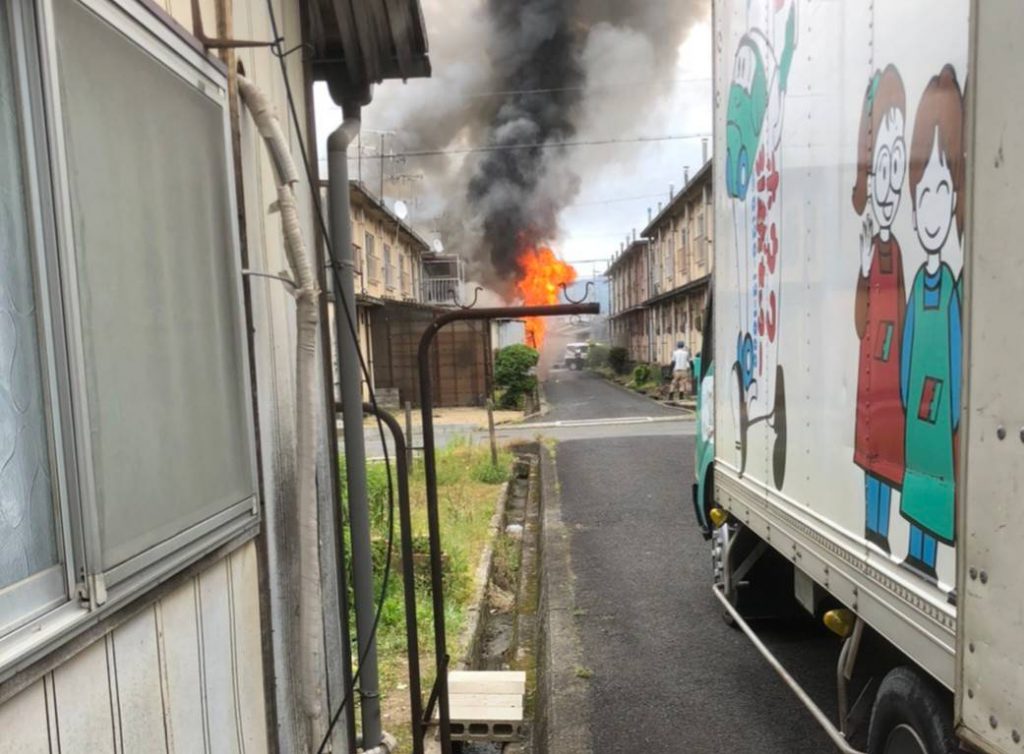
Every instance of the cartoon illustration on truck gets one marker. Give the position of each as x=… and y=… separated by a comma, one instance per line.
x=880, y=301
x=931, y=363
x=910, y=554
x=752, y=179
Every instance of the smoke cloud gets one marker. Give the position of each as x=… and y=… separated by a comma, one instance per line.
x=599, y=62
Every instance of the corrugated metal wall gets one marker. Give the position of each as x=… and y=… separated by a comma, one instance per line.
x=461, y=370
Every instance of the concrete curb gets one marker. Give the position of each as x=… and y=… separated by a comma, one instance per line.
x=468, y=647
x=562, y=724
x=544, y=406
x=613, y=383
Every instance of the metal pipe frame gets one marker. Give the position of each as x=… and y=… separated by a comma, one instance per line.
x=440, y=691
x=822, y=719
x=408, y=574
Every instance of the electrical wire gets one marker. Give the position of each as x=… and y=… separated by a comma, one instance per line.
x=597, y=87
x=540, y=145
x=328, y=246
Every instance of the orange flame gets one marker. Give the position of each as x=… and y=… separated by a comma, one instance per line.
x=541, y=274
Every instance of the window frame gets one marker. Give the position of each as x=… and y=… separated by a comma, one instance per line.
x=43, y=591
x=90, y=592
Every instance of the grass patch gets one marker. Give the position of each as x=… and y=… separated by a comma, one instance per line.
x=467, y=487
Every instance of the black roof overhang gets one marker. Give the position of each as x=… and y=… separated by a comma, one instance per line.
x=358, y=43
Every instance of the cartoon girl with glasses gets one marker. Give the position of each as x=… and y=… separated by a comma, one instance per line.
x=932, y=337
x=880, y=299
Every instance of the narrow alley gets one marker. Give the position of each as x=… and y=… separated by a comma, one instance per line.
x=665, y=673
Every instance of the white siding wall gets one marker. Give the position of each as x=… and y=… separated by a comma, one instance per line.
x=181, y=676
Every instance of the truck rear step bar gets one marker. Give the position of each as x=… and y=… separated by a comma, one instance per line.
x=833, y=732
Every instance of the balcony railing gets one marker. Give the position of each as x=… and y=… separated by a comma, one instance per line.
x=439, y=291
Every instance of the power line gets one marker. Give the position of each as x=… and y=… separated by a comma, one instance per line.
x=546, y=145
x=599, y=87
x=534, y=145
x=615, y=200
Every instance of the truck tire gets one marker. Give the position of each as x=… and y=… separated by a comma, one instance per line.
x=911, y=715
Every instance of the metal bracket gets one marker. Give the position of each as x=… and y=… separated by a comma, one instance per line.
x=586, y=292
x=471, y=304
x=844, y=673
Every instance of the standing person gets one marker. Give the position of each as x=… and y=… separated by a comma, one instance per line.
x=932, y=337
x=680, y=371
x=880, y=301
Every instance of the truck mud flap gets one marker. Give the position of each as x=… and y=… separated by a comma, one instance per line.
x=705, y=530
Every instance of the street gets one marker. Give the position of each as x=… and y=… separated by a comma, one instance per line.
x=664, y=673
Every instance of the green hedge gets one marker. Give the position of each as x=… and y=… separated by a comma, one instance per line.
x=512, y=374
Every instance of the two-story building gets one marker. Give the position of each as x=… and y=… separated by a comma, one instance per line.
x=680, y=264
x=660, y=281
x=387, y=254
x=629, y=280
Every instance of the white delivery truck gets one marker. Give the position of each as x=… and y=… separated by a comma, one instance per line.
x=868, y=396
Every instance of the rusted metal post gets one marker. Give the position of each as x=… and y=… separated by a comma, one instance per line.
x=490, y=431
x=409, y=451
x=440, y=691
x=408, y=575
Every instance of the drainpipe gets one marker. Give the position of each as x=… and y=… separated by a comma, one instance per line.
x=352, y=416
x=307, y=630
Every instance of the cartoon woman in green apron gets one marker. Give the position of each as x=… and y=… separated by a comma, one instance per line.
x=932, y=338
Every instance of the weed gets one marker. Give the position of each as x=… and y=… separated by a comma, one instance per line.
x=584, y=673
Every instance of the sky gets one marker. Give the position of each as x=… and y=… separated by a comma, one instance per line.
x=626, y=96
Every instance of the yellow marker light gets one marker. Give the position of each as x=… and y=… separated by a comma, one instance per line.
x=718, y=517
x=840, y=622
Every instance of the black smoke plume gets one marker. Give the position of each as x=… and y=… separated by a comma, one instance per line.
x=534, y=54
x=599, y=63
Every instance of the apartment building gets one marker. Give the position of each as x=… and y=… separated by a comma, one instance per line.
x=681, y=258
x=386, y=250
x=629, y=281
x=660, y=281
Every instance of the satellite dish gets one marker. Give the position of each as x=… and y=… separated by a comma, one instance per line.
x=401, y=210
x=437, y=246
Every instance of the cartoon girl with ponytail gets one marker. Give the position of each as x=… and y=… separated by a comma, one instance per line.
x=880, y=302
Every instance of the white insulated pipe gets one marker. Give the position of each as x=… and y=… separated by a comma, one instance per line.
x=307, y=630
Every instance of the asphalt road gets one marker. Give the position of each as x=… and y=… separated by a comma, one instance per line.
x=580, y=395
x=667, y=674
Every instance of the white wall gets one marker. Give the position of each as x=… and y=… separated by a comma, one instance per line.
x=180, y=676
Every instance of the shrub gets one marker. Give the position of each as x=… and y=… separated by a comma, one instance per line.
x=487, y=473
x=641, y=374
x=513, y=375
x=618, y=357
x=597, y=356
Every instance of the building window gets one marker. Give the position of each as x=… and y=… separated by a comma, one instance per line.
x=31, y=574
x=372, y=262
x=124, y=403
x=389, y=272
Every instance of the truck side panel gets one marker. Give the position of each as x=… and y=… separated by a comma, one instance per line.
x=990, y=677
x=827, y=416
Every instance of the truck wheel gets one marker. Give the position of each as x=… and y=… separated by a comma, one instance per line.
x=911, y=716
